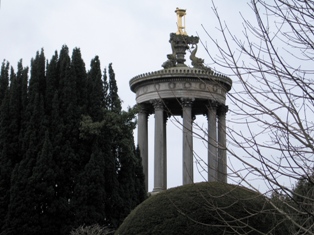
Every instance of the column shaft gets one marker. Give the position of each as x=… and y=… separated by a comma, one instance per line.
x=142, y=139
x=222, y=151
x=187, y=142
x=165, y=153
x=212, y=143
x=159, y=147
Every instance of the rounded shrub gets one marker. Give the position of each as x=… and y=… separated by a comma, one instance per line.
x=203, y=208
x=92, y=230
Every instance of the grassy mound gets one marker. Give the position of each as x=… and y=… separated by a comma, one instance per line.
x=203, y=208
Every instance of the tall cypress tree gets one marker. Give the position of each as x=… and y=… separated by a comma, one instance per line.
x=114, y=99
x=130, y=172
x=106, y=90
x=11, y=128
x=129, y=181
x=17, y=107
x=22, y=78
x=52, y=84
x=67, y=150
x=65, y=133
x=4, y=79
x=21, y=216
x=79, y=72
x=5, y=163
x=90, y=193
x=41, y=187
x=95, y=91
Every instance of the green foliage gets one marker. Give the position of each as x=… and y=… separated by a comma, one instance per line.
x=66, y=158
x=203, y=208
x=303, y=201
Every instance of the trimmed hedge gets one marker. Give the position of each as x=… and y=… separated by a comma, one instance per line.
x=92, y=230
x=203, y=208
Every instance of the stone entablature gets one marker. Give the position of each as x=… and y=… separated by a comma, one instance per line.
x=181, y=88
x=181, y=73
x=176, y=83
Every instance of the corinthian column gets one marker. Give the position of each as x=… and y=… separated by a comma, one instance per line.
x=142, y=139
x=222, y=151
x=212, y=141
x=187, y=141
x=164, y=186
x=159, y=164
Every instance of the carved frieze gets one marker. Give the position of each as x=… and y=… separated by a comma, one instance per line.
x=172, y=85
x=174, y=88
x=202, y=86
x=187, y=85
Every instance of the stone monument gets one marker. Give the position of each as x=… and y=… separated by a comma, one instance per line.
x=179, y=90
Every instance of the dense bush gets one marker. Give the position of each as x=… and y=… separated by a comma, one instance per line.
x=203, y=208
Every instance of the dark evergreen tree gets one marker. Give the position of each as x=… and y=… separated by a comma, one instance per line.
x=79, y=72
x=67, y=154
x=95, y=91
x=106, y=89
x=42, y=189
x=5, y=163
x=140, y=191
x=130, y=172
x=4, y=79
x=52, y=85
x=129, y=190
x=11, y=129
x=20, y=216
x=114, y=99
x=65, y=135
x=17, y=104
x=22, y=78
x=37, y=82
x=90, y=192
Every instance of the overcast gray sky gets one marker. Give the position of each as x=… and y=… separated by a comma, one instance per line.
x=133, y=35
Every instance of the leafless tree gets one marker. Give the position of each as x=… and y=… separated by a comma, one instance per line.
x=271, y=125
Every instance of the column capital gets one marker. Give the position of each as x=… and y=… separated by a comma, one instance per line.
x=187, y=102
x=158, y=104
x=212, y=104
x=212, y=107
x=222, y=109
x=143, y=108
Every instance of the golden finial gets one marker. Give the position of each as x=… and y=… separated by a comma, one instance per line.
x=181, y=27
